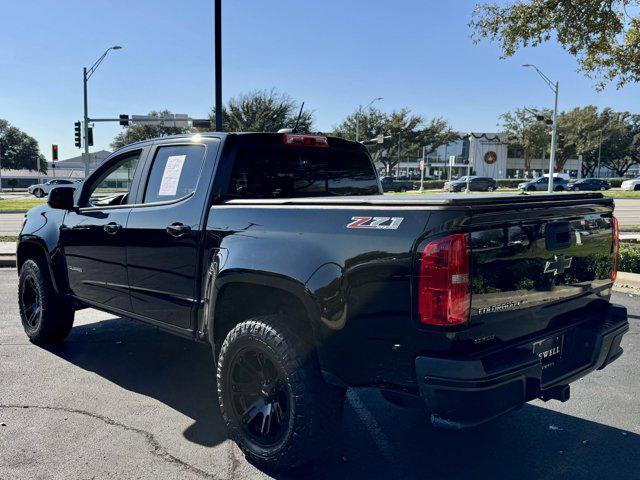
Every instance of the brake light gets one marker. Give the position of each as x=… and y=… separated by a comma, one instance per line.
x=616, y=250
x=443, y=282
x=296, y=140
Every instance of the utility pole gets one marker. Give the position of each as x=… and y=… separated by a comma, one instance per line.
x=218, y=62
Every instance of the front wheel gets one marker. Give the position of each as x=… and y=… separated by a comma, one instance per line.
x=490, y=189
x=46, y=317
x=39, y=193
x=273, y=399
x=558, y=189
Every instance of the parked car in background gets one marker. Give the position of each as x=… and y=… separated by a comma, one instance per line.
x=633, y=184
x=42, y=189
x=589, y=184
x=477, y=184
x=391, y=184
x=540, y=184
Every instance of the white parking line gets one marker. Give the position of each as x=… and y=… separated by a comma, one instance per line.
x=366, y=417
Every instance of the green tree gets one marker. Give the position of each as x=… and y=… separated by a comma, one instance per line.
x=601, y=34
x=21, y=150
x=142, y=131
x=404, y=133
x=263, y=111
x=526, y=136
x=621, y=142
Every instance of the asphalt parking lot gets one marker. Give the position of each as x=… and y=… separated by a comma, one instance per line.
x=123, y=400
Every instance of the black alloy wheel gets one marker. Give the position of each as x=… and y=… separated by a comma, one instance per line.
x=31, y=303
x=259, y=396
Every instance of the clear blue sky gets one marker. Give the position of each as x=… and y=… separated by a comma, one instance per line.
x=333, y=55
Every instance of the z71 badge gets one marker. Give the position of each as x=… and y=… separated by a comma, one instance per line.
x=381, y=223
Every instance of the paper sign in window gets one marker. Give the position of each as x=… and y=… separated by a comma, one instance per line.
x=171, y=175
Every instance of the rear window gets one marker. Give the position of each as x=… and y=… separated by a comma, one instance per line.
x=286, y=172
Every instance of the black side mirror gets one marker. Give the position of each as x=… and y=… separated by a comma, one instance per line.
x=61, y=198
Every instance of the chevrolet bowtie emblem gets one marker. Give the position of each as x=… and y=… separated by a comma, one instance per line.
x=558, y=265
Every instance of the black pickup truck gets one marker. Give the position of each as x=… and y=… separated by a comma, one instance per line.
x=280, y=251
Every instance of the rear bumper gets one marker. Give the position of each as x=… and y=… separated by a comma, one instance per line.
x=465, y=393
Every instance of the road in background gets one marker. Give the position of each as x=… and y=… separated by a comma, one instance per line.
x=121, y=399
x=10, y=223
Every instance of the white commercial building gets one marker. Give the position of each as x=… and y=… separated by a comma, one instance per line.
x=488, y=154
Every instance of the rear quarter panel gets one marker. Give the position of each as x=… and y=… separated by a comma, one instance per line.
x=358, y=279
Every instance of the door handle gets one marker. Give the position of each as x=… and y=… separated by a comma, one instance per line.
x=178, y=229
x=112, y=228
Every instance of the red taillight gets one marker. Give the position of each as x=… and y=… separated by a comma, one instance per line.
x=296, y=140
x=616, y=250
x=443, y=282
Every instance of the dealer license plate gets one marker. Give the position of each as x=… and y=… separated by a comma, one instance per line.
x=549, y=349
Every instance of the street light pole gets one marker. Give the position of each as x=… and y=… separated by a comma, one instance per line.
x=359, y=113
x=85, y=124
x=554, y=130
x=554, y=140
x=599, y=152
x=86, y=75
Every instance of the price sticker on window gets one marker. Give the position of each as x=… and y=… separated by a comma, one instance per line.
x=171, y=175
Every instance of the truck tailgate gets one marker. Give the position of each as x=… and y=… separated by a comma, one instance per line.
x=532, y=263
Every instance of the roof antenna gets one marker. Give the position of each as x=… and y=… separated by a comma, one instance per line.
x=295, y=129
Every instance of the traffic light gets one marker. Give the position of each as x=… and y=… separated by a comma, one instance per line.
x=54, y=153
x=124, y=120
x=78, y=131
x=90, y=136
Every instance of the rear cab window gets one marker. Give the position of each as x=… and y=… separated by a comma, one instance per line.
x=279, y=171
x=174, y=173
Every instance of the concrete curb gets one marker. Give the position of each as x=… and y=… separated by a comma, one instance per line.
x=13, y=211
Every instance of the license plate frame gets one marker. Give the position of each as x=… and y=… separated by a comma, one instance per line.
x=549, y=349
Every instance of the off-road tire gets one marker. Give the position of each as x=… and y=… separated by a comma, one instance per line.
x=315, y=407
x=47, y=318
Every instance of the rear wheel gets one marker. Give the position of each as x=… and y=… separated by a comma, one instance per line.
x=637, y=187
x=273, y=399
x=603, y=188
x=46, y=317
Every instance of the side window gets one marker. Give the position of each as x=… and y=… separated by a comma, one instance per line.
x=113, y=187
x=174, y=173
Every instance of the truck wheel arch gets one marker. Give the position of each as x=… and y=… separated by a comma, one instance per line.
x=231, y=298
x=35, y=250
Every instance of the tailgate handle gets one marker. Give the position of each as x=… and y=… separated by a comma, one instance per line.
x=558, y=235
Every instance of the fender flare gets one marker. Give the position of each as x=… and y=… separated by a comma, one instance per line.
x=57, y=278
x=216, y=280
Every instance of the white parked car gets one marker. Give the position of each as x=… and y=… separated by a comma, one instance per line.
x=42, y=189
x=633, y=184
